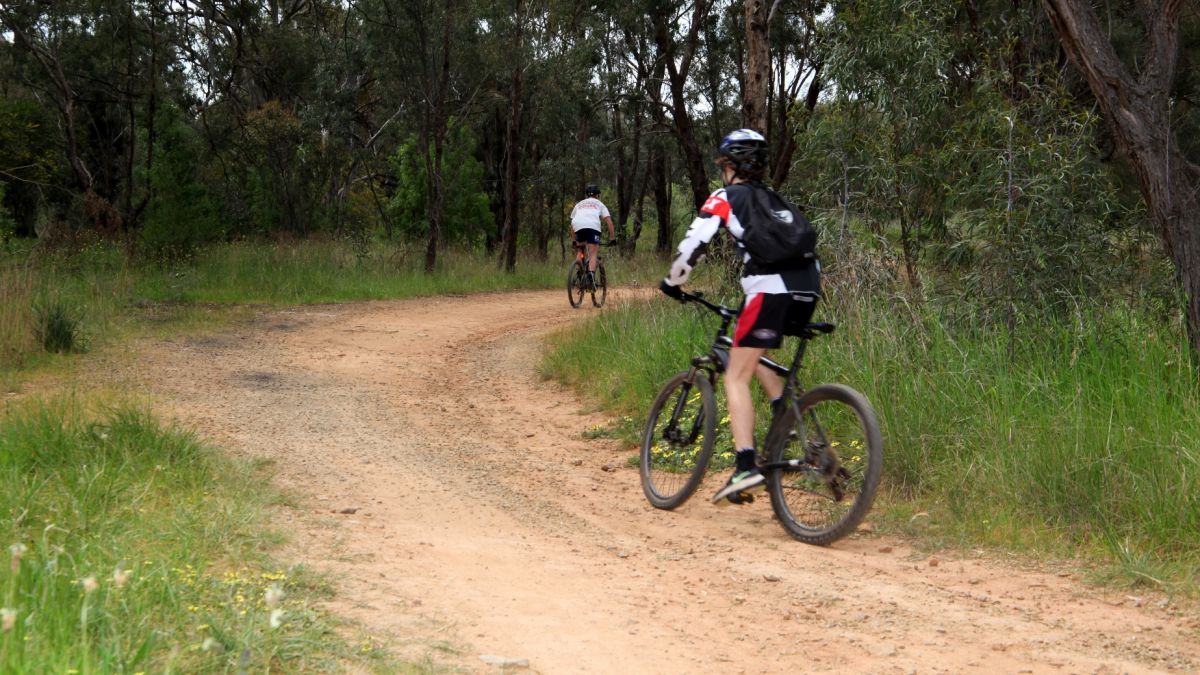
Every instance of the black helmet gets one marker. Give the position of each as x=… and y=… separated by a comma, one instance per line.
x=746, y=151
x=591, y=191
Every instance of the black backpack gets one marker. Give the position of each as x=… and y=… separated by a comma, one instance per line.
x=776, y=234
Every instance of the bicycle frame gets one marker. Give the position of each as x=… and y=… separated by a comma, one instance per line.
x=716, y=360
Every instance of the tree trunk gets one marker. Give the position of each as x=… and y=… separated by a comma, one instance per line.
x=435, y=194
x=662, y=204
x=1138, y=112
x=783, y=158
x=435, y=198
x=677, y=75
x=685, y=134
x=758, y=66
x=512, y=170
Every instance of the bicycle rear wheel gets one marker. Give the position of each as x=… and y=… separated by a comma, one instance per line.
x=600, y=292
x=837, y=449
x=678, y=441
x=576, y=283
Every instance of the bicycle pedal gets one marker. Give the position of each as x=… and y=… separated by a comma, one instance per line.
x=738, y=498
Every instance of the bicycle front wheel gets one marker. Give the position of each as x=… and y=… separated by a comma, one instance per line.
x=678, y=441
x=836, y=452
x=576, y=283
x=600, y=292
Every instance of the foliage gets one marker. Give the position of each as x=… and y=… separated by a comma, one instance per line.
x=55, y=327
x=6, y=221
x=466, y=206
x=27, y=159
x=180, y=216
x=137, y=549
x=278, y=154
x=1076, y=432
x=984, y=173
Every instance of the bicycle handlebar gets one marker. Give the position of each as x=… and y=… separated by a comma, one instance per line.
x=698, y=297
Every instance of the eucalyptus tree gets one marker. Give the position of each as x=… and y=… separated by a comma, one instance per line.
x=796, y=63
x=756, y=19
x=1138, y=105
x=891, y=57
x=265, y=78
x=677, y=30
x=646, y=71
x=423, y=52
x=97, y=64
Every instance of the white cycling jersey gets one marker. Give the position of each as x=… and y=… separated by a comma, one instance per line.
x=587, y=214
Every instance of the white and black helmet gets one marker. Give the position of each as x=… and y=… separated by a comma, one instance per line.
x=746, y=150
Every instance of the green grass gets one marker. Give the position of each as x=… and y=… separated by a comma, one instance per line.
x=311, y=272
x=131, y=547
x=1078, y=437
x=104, y=298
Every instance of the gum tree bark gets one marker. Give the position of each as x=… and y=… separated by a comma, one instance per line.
x=758, y=66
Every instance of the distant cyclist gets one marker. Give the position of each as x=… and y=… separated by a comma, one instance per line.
x=585, y=223
x=777, y=295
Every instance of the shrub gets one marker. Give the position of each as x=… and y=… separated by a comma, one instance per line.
x=56, y=329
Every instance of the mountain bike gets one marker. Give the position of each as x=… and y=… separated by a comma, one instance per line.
x=823, y=453
x=577, y=278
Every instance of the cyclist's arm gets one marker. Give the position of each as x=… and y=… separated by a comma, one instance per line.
x=699, y=234
x=612, y=232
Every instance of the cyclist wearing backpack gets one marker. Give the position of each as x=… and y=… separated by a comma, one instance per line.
x=781, y=279
x=585, y=222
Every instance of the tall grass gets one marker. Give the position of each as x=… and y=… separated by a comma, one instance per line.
x=57, y=303
x=308, y=272
x=104, y=296
x=133, y=548
x=16, y=315
x=101, y=296
x=1080, y=434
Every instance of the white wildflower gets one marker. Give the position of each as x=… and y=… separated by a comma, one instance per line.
x=273, y=595
x=120, y=576
x=89, y=584
x=17, y=551
x=276, y=618
x=8, y=619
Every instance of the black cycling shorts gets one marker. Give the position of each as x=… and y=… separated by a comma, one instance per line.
x=587, y=236
x=767, y=317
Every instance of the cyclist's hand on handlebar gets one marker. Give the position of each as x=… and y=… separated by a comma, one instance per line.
x=670, y=291
x=611, y=242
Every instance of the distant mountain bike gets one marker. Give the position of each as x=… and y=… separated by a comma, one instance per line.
x=578, y=282
x=823, y=451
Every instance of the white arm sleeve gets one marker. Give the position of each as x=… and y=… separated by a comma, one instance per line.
x=693, y=246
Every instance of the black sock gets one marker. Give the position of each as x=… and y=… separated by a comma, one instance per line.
x=744, y=460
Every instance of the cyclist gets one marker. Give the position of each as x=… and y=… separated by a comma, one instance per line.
x=776, y=296
x=585, y=222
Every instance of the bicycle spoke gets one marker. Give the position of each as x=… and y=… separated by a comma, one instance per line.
x=835, y=444
x=678, y=441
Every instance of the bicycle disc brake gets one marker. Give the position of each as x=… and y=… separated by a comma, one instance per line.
x=830, y=469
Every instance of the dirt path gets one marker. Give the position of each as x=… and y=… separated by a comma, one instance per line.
x=485, y=525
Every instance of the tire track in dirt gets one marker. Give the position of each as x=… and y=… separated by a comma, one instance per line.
x=485, y=524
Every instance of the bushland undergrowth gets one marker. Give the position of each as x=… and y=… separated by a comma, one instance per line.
x=1075, y=433
x=98, y=295
x=132, y=547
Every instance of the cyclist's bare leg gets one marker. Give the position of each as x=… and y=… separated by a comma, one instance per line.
x=743, y=362
x=771, y=383
x=592, y=250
